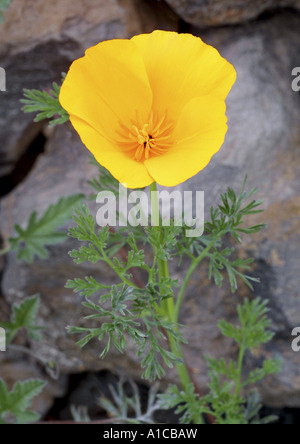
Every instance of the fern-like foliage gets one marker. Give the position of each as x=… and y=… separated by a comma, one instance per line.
x=40, y=232
x=124, y=310
x=127, y=409
x=15, y=404
x=46, y=104
x=23, y=317
x=224, y=401
x=226, y=220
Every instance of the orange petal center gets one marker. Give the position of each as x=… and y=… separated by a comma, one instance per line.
x=144, y=140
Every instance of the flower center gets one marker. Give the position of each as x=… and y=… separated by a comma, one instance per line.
x=143, y=141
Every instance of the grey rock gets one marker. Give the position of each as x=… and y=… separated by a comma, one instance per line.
x=207, y=13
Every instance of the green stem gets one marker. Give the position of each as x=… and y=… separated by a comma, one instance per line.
x=243, y=348
x=168, y=305
x=112, y=265
x=163, y=269
x=242, y=352
x=193, y=266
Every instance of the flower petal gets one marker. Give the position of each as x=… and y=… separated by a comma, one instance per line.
x=126, y=170
x=181, y=67
x=107, y=85
x=199, y=134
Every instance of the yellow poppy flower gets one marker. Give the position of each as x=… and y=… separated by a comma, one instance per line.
x=151, y=108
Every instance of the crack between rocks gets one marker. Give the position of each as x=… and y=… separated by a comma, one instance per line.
x=24, y=165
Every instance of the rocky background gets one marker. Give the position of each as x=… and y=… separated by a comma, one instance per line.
x=38, y=41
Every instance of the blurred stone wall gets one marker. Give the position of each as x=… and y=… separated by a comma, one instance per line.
x=39, y=40
x=205, y=13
